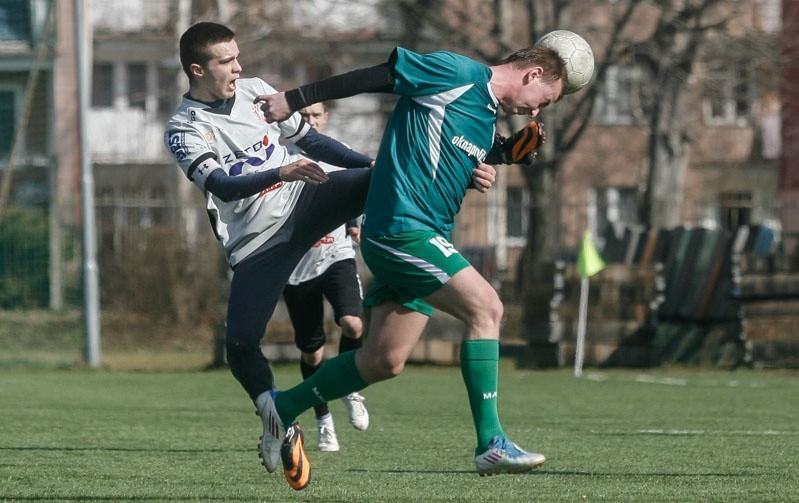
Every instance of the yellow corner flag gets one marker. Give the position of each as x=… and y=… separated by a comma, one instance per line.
x=589, y=262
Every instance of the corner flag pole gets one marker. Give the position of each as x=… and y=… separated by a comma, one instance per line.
x=581, y=322
x=589, y=262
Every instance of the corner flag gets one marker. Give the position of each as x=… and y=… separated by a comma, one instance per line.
x=589, y=262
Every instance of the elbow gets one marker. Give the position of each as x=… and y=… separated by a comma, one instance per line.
x=223, y=196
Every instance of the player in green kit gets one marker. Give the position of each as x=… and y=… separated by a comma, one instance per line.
x=442, y=127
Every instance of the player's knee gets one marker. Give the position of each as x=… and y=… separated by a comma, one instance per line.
x=390, y=370
x=496, y=310
x=313, y=359
x=489, y=312
x=383, y=368
x=239, y=351
x=351, y=326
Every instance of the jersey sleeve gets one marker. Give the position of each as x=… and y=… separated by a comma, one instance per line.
x=192, y=153
x=424, y=74
x=293, y=128
x=326, y=149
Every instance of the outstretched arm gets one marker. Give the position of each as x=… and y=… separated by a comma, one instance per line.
x=326, y=149
x=376, y=79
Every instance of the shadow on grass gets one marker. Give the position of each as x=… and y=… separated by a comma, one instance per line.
x=640, y=474
x=397, y=470
x=115, y=449
x=4, y=497
x=569, y=473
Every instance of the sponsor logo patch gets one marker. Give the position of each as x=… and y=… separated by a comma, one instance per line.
x=177, y=145
x=238, y=166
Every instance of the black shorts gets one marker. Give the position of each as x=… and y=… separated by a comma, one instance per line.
x=340, y=285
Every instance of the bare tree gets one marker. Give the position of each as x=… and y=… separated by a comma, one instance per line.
x=672, y=51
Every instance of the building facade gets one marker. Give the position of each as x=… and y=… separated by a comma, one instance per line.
x=739, y=163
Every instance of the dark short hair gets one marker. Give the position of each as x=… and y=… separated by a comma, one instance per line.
x=548, y=59
x=195, y=41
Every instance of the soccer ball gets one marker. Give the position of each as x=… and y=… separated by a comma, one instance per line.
x=577, y=55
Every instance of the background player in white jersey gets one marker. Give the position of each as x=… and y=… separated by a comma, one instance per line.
x=267, y=208
x=328, y=270
x=443, y=125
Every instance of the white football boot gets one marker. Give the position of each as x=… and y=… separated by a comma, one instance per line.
x=503, y=456
x=327, y=440
x=359, y=416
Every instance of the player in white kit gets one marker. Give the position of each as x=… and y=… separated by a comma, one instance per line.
x=266, y=206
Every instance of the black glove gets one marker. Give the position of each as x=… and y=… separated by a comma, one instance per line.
x=519, y=148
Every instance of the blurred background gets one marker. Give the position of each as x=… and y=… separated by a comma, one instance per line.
x=681, y=159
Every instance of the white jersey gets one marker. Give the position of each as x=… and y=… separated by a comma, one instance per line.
x=335, y=246
x=236, y=137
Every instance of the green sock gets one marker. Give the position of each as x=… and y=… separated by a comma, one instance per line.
x=480, y=370
x=336, y=378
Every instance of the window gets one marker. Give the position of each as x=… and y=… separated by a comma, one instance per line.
x=7, y=121
x=134, y=85
x=518, y=201
x=617, y=208
x=771, y=125
x=166, y=89
x=619, y=100
x=736, y=209
x=727, y=94
x=15, y=22
x=137, y=85
x=121, y=15
x=770, y=16
x=103, y=85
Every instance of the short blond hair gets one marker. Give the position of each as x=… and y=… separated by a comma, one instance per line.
x=548, y=59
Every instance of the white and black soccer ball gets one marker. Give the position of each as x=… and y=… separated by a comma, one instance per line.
x=577, y=55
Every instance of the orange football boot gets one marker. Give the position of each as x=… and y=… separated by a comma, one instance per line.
x=296, y=467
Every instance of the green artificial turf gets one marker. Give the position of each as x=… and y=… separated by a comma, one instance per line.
x=640, y=436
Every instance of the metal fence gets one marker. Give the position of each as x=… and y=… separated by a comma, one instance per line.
x=157, y=288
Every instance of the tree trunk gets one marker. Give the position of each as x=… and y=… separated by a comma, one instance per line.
x=537, y=269
x=668, y=158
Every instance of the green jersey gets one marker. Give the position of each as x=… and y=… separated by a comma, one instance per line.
x=441, y=128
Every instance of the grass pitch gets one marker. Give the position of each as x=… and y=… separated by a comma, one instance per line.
x=640, y=436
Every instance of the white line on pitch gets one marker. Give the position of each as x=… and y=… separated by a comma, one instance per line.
x=750, y=433
x=661, y=380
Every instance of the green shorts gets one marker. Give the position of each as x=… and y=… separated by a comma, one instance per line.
x=409, y=266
